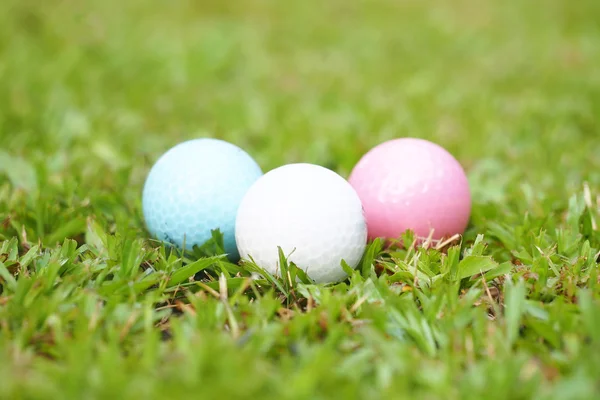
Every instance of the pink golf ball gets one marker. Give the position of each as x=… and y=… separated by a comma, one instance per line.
x=412, y=184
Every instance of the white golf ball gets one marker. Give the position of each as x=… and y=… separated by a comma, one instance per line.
x=311, y=212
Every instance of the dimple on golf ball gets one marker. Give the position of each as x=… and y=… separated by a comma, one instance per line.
x=311, y=212
x=196, y=187
x=412, y=184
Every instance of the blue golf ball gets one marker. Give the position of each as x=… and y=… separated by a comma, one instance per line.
x=196, y=187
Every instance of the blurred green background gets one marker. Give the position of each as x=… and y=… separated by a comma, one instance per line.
x=92, y=88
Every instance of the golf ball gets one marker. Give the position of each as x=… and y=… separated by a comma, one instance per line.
x=196, y=187
x=412, y=184
x=309, y=211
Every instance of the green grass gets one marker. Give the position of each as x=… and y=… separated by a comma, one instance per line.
x=92, y=92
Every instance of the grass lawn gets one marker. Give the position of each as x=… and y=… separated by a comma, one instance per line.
x=92, y=92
